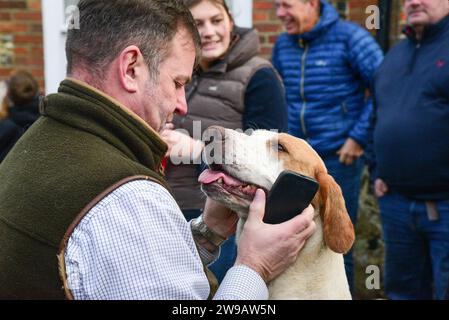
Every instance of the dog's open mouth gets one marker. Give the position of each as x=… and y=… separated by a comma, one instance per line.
x=228, y=183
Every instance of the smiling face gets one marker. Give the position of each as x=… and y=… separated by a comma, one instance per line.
x=424, y=12
x=297, y=16
x=214, y=26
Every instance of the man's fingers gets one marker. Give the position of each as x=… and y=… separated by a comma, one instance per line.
x=349, y=160
x=379, y=193
x=257, y=207
x=304, y=235
x=346, y=159
x=302, y=221
x=308, y=231
x=380, y=188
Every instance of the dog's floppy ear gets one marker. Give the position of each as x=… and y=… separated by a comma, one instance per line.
x=337, y=226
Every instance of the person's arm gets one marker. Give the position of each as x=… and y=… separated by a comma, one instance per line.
x=370, y=155
x=265, y=104
x=275, y=58
x=136, y=244
x=365, y=56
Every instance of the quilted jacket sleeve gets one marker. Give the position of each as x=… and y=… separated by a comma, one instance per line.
x=365, y=57
x=275, y=59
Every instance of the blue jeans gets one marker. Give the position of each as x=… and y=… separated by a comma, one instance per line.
x=416, y=249
x=228, y=250
x=349, y=179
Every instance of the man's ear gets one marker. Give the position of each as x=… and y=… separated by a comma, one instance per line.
x=315, y=4
x=131, y=66
x=337, y=226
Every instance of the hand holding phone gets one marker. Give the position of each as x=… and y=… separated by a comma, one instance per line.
x=290, y=195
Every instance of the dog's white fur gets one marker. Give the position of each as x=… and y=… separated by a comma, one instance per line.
x=318, y=272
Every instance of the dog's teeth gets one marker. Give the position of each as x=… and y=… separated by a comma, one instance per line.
x=220, y=180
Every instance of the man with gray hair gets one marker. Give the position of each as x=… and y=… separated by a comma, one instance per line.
x=82, y=197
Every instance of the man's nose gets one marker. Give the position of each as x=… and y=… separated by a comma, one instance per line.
x=414, y=3
x=181, y=104
x=214, y=152
x=280, y=12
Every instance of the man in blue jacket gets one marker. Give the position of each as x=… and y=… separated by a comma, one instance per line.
x=327, y=65
x=411, y=142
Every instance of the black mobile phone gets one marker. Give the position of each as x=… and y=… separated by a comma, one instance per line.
x=290, y=195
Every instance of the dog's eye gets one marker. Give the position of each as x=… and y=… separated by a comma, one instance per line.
x=281, y=148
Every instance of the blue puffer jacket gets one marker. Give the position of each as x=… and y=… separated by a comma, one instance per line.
x=326, y=73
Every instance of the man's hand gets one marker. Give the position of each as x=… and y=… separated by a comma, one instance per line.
x=271, y=249
x=219, y=219
x=350, y=151
x=380, y=188
x=180, y=145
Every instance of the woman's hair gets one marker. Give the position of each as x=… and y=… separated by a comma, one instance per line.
x=222, y=3
x=22, y=88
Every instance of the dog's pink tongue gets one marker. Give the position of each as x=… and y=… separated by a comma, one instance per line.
x=209, y=176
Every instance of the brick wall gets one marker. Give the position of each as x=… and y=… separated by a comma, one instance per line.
x=21, y=28
x=269, y=27
x=357, y=10
x=21, y=41
x=267, y=24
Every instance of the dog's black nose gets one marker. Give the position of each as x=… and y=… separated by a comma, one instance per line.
x=214, y=138
x=214, y=134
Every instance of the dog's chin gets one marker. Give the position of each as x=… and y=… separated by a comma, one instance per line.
x=232, y=198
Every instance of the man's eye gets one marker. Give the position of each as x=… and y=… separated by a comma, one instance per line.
x=178, y=85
